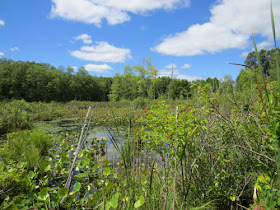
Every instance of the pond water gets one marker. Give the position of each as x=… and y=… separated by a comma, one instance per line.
x=63, y=125
x=110, y=151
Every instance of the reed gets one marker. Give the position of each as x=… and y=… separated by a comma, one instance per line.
x=275, y=45
x=277, y=152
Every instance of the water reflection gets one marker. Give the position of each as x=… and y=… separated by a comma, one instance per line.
x=109, y=149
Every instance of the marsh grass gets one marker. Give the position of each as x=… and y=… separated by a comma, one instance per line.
x=276, y=127
x=275, y=45
x=20, y=115
x=125, y=149
x=27, y=146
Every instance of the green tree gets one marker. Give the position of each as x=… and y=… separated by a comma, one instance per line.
x=267, y=58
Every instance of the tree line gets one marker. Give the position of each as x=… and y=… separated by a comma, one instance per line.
x=42, y=82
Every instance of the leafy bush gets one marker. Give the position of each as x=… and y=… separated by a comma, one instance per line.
x=14, y=115
x=140, y=102
x=26, y=146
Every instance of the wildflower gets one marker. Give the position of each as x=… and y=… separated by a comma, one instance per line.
x=265, y=137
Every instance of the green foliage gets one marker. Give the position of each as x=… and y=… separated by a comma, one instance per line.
x=41, y=82
x=14, y=116
x=139, y=202
x=268, y=61
x=140, y=102
x=141, y=83
x=20, y=115
x=219, y=151
x=26, y=146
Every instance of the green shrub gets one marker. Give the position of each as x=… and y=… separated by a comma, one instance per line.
x=140, y=102
x=26, y=146
x=14, y=115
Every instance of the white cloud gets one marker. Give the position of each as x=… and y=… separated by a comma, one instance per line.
x=2, y=22
x=15, y=48
x=264, y=45
x=102, y=52
x=244, y=54
x=85, y=38
x=177, y=75
x=260, y=46
x=75, y=68
x=167, y=72
x=189, y=78
x=103, y=68
x=230, y=26
x=186, y=66
x=170, y=66
x=113, y=11
x=1, y=54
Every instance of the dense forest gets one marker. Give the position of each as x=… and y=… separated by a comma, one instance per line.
x=42, y=82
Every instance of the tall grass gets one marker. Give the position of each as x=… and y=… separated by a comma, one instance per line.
x=20, y=115
x=125, y=149
x=26, y=146
x=275, y=45
x=277, y=154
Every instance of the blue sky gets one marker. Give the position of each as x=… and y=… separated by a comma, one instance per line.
x=198, y=36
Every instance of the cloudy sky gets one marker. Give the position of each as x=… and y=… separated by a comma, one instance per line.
x=195, y=38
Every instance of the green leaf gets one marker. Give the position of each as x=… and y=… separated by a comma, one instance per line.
x=96, y=166
x=140, y=202
x=108, y=187
x=44, y=193
x=77, y=187
x=21, y=165
x=79, y=179
x=114, y=200
x=108, y=206
x=276, y=52
x=106, y=171
x=30, y=175
x=92, y=202
x=62, y=192
x=55, y=200
x=45, y=167
x=232, y=198
x=273, y=23
x=106, y=163
x=84, y=162
x=12, y=206
x=276, y=127
x=81, y=175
